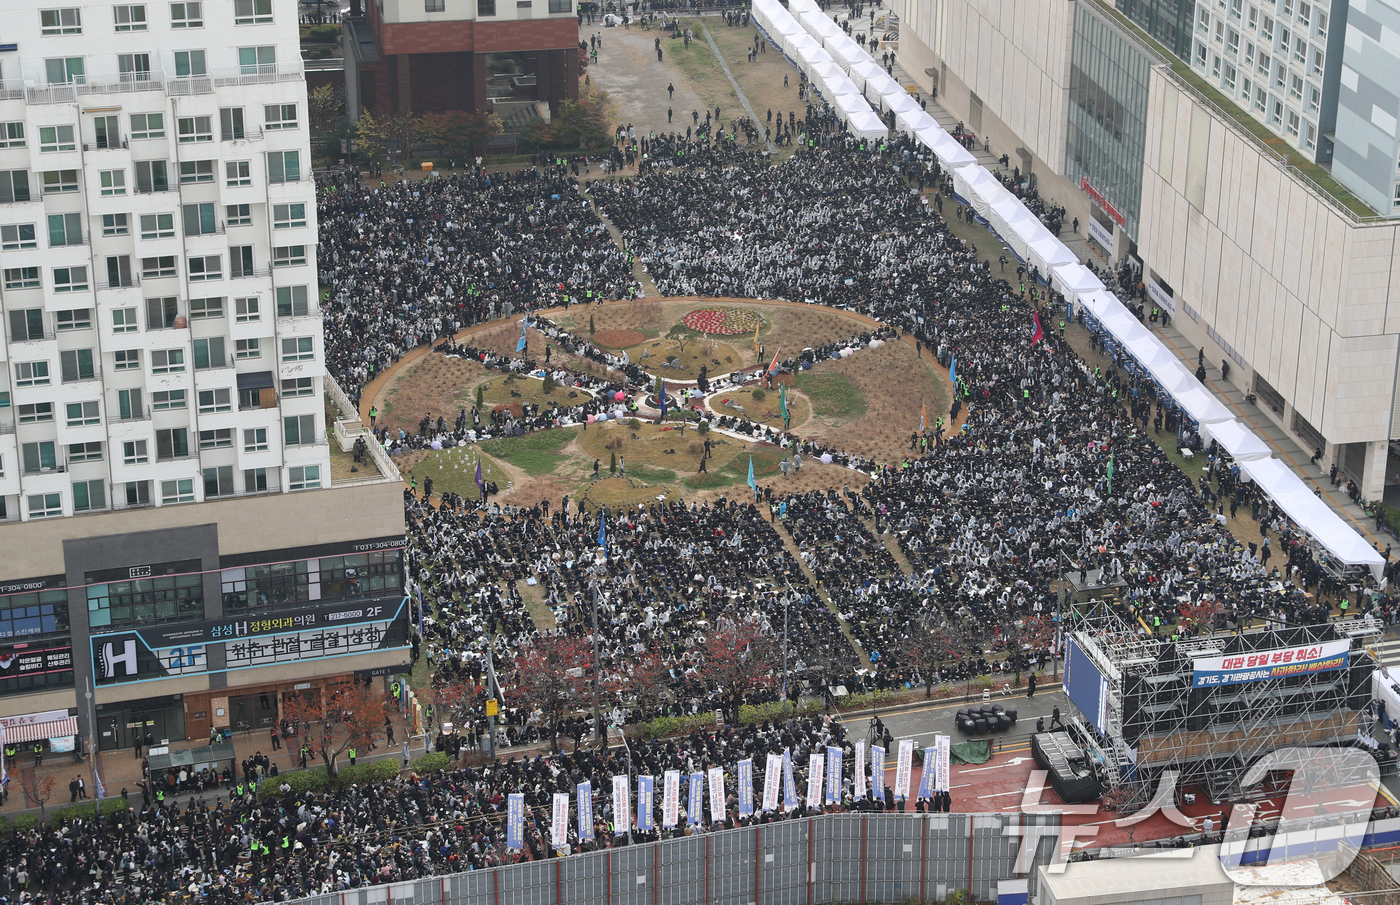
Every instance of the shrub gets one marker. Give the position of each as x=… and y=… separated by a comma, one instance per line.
x=749, y=714
x=323, y=34
x=702, y=428
x=591, y=328
x=612, y=464
x=26, y=822
x=301, y=781
x=633, y=423
x=664, y=726
x=376, y=771
x=4, y=825
x=549, y=384
x=759, y=395
x=480, y=395
x=431, y=763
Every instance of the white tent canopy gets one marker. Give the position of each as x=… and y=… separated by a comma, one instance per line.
x=966, y=179
x=949, y=153
x=1294, y=497
x=1202, y=406
x=865, y=124
x=1048, y=252
x=1074, y=280
x=1237, y=440
x=915, y=121
x=862, y=72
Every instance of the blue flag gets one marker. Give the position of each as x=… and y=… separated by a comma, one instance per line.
x=602, y=529
x=480, y=484
x=585, y=811
x=520, y=346
x=927, y=780
x=696, y=802
x=646, y=797
x=953, y=371
x=833, y=775
x=746, y=788
x=789, y=787
x=752, y=482
x=515, y=821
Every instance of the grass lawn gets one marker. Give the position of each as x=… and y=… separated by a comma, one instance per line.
x=832, y=395
x=454, y=469
x=504, y=390
x=651, y=356
x=535, y=454
x=766, y=410
x=736, y=470
x=697, y=63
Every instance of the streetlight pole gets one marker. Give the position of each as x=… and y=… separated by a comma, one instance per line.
x=92, y=749
x=787, y=599
x=494, y=690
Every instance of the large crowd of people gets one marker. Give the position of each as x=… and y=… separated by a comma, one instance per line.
x=1041, y=469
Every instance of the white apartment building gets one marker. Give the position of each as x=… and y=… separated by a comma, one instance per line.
x=162, y=341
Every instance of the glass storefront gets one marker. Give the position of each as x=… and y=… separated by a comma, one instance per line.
x=250, y=588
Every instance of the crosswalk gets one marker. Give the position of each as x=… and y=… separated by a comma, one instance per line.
x=1388, y=652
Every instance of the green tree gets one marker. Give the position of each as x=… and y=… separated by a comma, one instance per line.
x=591, y=329
x=325, y=107
x=680, y=334
x=612, y=464
x=480, y=395
x=459, y=133
x=371, y=136
x=586, y=122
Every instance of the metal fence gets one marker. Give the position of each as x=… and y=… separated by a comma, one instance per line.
x=884, y=858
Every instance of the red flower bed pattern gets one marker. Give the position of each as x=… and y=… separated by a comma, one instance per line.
x=722, y=321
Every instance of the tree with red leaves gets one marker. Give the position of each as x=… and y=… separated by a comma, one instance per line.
x=553, y=675
x=739, y=659
x=37, y=789
x=935, y=643
x=1195, y=617
x=645, y=681
x=340, y=717
x=1026, y=637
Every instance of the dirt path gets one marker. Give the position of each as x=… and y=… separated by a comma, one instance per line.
x=628, y=71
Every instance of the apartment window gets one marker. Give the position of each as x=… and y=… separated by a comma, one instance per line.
x=21, y=278
x=130, y=18
x=1254, y=17
x=119, y=271
x=84, y=452
x=70, y=279
x=1260, y=99
x=14, y=186
x=288, y=216
x=173, y=443
x=129, y=405
x=197, y=171
x=254, y=480
x=1317, y=61
x=65, y=229
x=1309, y=136
x=237, y=172
x=73, y=319
x=297, y=386
x=1263, y=64
x=11, y=135
x=1321, y=24
x=190, y=63
x=231, y=124
x=152, y=176
x=486, y=7
x=298, y=348
x=88, y=496
x=124, y=321
x=1202, y=19
x=1314, y=99
x=216, y=439
x=1293, y=123
x=218, y=481
x=157, y=226
x=298, y=430
x=255, y=439
x=1304, y=14
x=212, y=401
x=238, y=214
x=1280, y=76
x=1229, y=77
x=31, y=373
x=280, y=116
x=115, y=225
x=60, y=22
x=1277, y=117
x=138, y=493
x=13, y=238
x=1236, y=8
x=1219, y=31
x=308, y=477
x=200, y=219
x=147, y=125
x=240, y=260
x=126, y=359
x=257, y=60
x=56, y=138
x=135, y=452
x=166, y=400
x=247, y=348
x=162, y=313
x=1283, y=41
x=194, y=128
x=245, y=310
x=1287, y=9
x=209, y=353
x=187, y=15
x=283, y=166
x=113, y=182
x=1295, y=88
x=45, y=505
x=289, y=256
x=65, y=71
x=1232, y=42
x=36, y=412
x=292, y=301
x=206, y=308
x=1200, y=54
x=252, y=12
x=59, y=181
x=39, y=457
x=82, y=414
x=561, y=6
x=1300, y=52
x=181, y=491
x=161, y=266
x=167, y=361
x=1215, y=66
x=206, y=267
x=1268, y=30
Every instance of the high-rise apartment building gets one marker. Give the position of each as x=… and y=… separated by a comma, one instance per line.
x=165, y=473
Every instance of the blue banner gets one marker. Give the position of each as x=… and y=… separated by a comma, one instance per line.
x=585, y=811
x=746, y=788
x=515, y=821
x=833, y=775
x=695, y=803
x=646, y=799
x=930, y=773
x=789, y=787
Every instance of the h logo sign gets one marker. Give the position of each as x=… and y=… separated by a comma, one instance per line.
x=110, y=659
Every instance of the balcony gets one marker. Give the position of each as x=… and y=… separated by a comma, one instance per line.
x=139, y=415
x=46, y=336
x=180, y=323
x=214, y=364
x=11, y=89
x=64, y=93
x=7, y=428
x=125, y=283
x=110, y=145
x=178, y=457
x=94, y=374
x=252, y=133
x=154, y=188
x=249, y=274
x=60, y=468
x=122, y=83
x=217, y=230
x=259, y=74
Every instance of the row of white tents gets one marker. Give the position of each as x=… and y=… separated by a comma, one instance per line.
x=849, y=78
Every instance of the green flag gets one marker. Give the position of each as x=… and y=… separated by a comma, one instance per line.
x=752, y=482
x=782, y=402
x=1110, y=472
